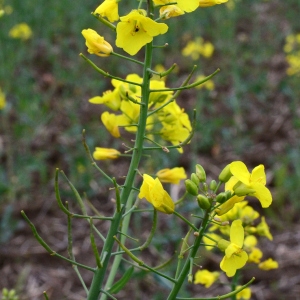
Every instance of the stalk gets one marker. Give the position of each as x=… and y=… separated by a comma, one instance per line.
x=99, y=276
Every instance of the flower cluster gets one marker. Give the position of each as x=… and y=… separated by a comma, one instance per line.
x=168, y=120
x=136, y=29
x=239, y=240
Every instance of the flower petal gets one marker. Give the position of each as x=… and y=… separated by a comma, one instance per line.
x=258, y=175
x=230, y=265
x=262, y=194
x=237, y=233
x=240, y=171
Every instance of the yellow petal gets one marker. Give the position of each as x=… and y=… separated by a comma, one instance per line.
x=148, y=183
x=230, y=265
x=240, y=171
x=262, y=194
x=258, y=175
x=237, y=233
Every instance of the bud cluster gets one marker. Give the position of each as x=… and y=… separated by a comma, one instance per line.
x=206, y=193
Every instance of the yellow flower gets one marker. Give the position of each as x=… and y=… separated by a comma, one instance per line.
x=153, y=191
x=110, y=122
x=170, y=11
x=208, y=243
x=184, y=5
x=96, y=43
x=209, y=84
x=136, y=30
x=2, y=99
x=245, y=294
x=263, y=229
x=254, y=253
x=110, y=98
x=174, y=134
x=235, y=257
x=252, y=184
x=108, y=9
x=198, y=47
x=158, y=96
x=176, y=124
x=268, y=264
x=206, y=278
x=171, y=175
x=128, y=89
x=105, y=153
x=20, y=31
x=229, y=204
x=206, y=3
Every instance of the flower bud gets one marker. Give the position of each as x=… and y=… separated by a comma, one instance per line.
x=195, y=178
x=105, y=153
x=242, y=190
x=223, y=244
x=200, y=172
x=225, y=174
x=191, y=187
x=213, y=185
x=205, y=187
x=96, y=43
x=222, y=197
x=228, y=194
x=203, y=202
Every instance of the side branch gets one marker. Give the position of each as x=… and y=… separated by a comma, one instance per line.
x=47, y=247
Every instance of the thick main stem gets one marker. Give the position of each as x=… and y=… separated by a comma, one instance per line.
x=98, y=279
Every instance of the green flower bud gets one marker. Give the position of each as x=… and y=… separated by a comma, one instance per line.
x=222, y=197
x=203, y=202
x=223, y=244
x=195, y=178
x=191, y=187
x=205, y=187
x=242, y=190
x=200, y=172
x=213, y=185
x=228, y=194
x=225, y=174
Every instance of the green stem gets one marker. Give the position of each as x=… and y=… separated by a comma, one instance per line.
x=234, y=283
x=99, y=276
x=127, y=58
x=118, y=258
x=47, y=247
x=192, y=254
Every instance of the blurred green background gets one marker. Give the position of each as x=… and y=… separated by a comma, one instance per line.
x=252, y=114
